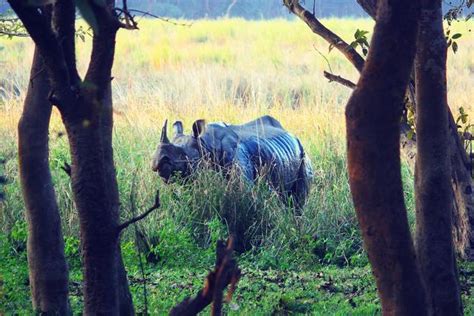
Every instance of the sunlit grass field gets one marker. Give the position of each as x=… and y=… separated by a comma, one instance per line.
x=233, y=71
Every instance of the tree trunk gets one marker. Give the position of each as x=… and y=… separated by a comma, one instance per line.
x=125, y=298
x=98, y=219
x=373, y=148
x=461, y=181
x=461, y=178
x=434, y=200
x=47, y=264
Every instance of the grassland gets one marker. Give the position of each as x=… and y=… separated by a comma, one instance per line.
x=227, y=70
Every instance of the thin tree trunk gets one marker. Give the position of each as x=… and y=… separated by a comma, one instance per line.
x=125, y=298
x=461, y=181
x=373, y=148
x=48, y=269
x=434, y=200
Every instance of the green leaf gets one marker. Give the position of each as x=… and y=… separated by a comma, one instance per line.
x=456, y=36
x=455, y=47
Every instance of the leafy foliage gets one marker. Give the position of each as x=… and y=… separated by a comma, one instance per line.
x=360, y=40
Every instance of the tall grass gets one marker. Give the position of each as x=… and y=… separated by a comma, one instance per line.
x=225, y=70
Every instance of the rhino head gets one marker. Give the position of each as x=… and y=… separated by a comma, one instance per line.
x=179, y=156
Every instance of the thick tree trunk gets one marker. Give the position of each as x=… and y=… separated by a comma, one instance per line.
x=434, y=200
x=373, y=148
x=461, y=178
x=47, y=264
x=98, y=219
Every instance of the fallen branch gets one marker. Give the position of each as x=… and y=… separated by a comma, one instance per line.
x=226, y=272
x=335, y=78
x=155, y=206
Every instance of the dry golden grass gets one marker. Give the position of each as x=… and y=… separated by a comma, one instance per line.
x=230, y=70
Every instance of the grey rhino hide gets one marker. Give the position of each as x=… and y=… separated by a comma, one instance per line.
x=260, y=147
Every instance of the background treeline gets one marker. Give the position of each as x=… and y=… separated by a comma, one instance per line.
x=249, y=9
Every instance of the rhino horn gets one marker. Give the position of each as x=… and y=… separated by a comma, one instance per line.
x=178, y=128
x=164, y=136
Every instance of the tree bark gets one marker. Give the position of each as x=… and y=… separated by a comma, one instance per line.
x=125, y=298
x=98, y=221
x=48, y=269
x=433, y=191
x=86, y=110
x=461, y=181
x=373, y=148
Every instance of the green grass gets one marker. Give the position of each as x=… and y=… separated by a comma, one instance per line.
x=232, y=70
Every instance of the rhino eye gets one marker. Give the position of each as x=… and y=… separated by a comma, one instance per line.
x=164, y=160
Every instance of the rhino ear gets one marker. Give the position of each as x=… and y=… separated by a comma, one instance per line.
x=199, y=126
x=178, y=128
x=164, y=137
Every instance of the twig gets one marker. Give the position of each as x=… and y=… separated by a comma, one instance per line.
x=319, y=29
x=345, y=82
x=140, y=259
x=226, y=272
x=155, y=206
x=144, y=13
x=130, y=23
x=67, y=168
x=6, y=33
x=322, y=55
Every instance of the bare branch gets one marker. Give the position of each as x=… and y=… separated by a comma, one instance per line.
x=345, y=82
x=155, y=206
x=226, y=272
x=318, y=28
x=167, y=20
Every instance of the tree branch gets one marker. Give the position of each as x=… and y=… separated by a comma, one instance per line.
x=64, y=19
x=37, y=22
x=155, y=206
x=345, y=82
x=226, y=272
x=103, y=47
x=318, y=28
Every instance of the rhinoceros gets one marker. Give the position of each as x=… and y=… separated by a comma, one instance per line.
x=260, y=147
